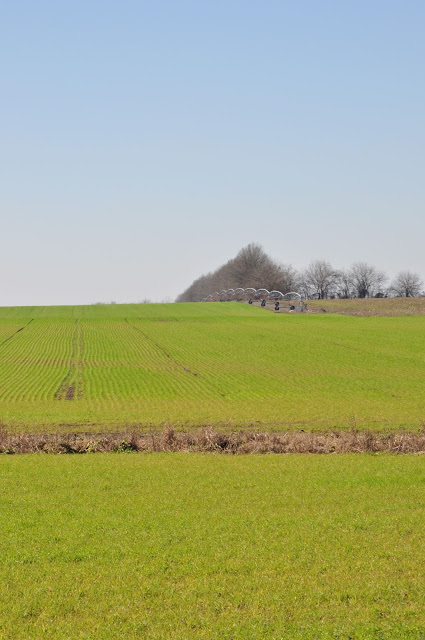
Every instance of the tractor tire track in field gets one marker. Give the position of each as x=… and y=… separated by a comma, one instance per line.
x=170, y=357
x=16, y=332
x=158, y=346
x=71, y=386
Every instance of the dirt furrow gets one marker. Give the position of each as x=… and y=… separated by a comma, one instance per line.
x=158, y=346
x=71, y=385
x=12, y=335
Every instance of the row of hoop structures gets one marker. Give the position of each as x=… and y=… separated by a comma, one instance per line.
x=250, y=293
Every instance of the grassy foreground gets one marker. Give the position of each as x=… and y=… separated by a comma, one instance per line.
x=198, y=546
x=223, y=364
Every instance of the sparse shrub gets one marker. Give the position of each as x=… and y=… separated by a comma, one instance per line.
x=125, y=447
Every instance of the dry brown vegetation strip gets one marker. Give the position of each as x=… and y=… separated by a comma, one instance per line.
x=383, y=307
x=210, y=440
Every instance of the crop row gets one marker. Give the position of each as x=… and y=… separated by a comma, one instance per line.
x=233, y=368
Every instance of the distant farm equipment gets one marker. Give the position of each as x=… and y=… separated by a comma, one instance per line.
x=262, y=296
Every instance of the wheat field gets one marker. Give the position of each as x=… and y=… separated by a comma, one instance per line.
x=229, y=365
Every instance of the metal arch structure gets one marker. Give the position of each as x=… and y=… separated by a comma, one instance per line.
x=275, y=295
x=261, y=293
x=256, y=294
x=292, y=295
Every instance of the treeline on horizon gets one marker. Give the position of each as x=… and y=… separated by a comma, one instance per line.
x=252, y=267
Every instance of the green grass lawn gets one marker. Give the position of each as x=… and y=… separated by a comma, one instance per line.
x=182, y=546
x=223, y=364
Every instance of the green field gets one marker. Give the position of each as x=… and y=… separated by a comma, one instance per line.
x=223, y=364
x=180, y=546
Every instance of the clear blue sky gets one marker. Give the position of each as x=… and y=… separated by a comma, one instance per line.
x=143, y=143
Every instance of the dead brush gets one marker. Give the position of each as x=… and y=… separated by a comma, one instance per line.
x=169, y=441
x=211, y=440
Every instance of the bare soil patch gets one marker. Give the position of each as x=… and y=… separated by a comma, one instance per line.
x=382, y=307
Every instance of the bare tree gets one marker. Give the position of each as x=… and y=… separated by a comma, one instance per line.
x=407, y=284
x=288, y=279
x=345, y=284
x=303, y=287
x=252, y=267
x=280, y=277
x=247, y=269
x=320, y=279
x=366, y=279
x=197, y=290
